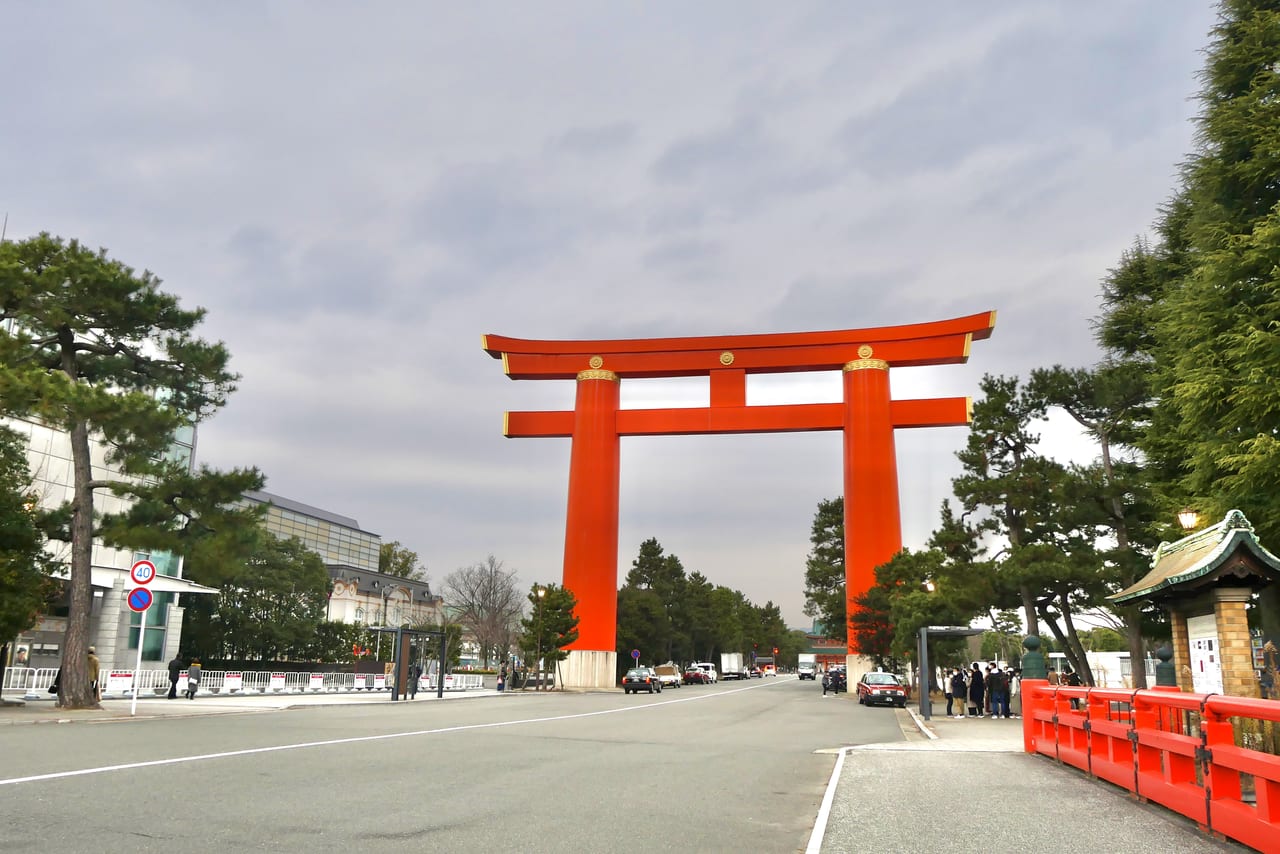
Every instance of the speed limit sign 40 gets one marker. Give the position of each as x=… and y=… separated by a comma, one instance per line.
x=142, y=572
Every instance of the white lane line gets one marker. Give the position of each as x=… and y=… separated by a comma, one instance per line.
x=824, y=811
x=177, y=760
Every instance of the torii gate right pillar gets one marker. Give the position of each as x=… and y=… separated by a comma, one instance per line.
x=872, y=524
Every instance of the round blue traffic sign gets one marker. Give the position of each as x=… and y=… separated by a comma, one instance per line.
x=139, y=599
x=635, y=653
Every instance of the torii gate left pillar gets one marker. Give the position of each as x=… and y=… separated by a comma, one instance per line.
x=868, y=416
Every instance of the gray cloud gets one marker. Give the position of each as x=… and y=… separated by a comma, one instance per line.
x=357, y=196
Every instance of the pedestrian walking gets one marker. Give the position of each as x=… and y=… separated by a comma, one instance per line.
x=415, y=673
x=94, y=668
x=977, y=691
x=1072, y=679
x=175, y=672
x=193, y=678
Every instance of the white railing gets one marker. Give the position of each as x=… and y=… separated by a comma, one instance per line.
x=35, y=682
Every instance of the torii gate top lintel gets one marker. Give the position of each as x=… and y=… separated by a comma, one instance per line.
x=934, y=343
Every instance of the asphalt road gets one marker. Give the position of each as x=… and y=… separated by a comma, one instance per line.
x=729, y=767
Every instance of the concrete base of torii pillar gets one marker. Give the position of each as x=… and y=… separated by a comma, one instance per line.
x=589, y=669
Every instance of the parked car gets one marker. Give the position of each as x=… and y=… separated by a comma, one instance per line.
x=835, y=681
x=709, y=669
x=641, y=679
x=807, y=671
x=668, y=675
x=875, y=688
x=696, y=676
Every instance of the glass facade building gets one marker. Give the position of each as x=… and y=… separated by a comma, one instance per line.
x=338, y=540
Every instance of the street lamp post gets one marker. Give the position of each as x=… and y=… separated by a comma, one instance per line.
x=386, y=593
x=541, y=592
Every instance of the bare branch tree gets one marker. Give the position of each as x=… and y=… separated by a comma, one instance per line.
x=486, y=602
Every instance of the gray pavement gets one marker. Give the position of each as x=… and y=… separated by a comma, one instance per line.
x=968, y=782
x=946, y=782
x=15, y=711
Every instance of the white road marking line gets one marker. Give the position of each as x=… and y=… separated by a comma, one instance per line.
x=177, y=760
x=824, y=811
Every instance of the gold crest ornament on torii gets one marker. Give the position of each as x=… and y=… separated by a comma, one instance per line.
x=868, y=415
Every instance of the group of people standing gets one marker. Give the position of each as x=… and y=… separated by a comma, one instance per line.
x=992, y=692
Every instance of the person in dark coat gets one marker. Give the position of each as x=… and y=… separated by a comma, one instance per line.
x=958, y=690
x=175, y=671
x=415, y=673
x=977, y=691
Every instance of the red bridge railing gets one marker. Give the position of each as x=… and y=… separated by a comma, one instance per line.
x=1171, y=748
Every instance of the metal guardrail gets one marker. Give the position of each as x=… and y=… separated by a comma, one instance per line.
x=1173, y=748
x=35, y=682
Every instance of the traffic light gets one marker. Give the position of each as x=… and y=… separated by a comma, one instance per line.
x=775, y=650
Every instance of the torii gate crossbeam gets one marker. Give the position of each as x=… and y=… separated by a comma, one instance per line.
x=867, y=415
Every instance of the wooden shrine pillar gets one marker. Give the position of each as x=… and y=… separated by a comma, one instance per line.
x=591, y=525
x=872, y=526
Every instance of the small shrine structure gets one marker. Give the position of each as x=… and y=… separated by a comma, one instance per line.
x=1206, y=581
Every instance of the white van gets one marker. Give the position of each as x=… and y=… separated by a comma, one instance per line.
x=712, y=675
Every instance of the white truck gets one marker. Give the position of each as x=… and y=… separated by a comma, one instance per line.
x=731, y=666
x=807, y=668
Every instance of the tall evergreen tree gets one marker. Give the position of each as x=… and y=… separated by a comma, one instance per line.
x=551, y=625
x=824, y=577
x=1201, y=308
x=25, y=585
x=97, y=350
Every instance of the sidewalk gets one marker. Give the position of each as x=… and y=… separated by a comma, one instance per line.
x=14, y=710
x=970, y=779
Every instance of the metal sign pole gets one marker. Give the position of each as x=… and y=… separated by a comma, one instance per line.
x=926, y=703
x=444, y=650
x=137, y=670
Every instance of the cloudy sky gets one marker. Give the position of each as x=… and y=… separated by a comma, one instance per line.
x=358, y=192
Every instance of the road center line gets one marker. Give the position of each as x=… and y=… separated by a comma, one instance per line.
x=251, y=751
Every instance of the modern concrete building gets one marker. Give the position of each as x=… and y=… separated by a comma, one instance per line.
x=360, y=594
x=113, y=628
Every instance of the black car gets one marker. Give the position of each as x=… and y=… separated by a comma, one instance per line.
x=835, y=681
x=641, y=679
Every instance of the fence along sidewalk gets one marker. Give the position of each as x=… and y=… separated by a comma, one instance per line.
x=35, y=682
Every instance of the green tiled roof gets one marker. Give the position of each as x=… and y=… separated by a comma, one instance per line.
x=1198, y=555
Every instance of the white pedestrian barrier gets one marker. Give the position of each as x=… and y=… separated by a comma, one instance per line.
x=35, y=682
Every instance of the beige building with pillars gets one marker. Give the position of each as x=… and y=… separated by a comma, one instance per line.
x=1207, y=581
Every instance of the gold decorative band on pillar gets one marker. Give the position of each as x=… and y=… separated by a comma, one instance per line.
x=595, y=374
x=864, y=361
x=866, y=364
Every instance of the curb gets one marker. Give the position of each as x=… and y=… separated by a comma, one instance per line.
x=920, y=724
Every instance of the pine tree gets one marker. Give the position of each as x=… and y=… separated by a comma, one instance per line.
x=97, y=350
x=824, y=577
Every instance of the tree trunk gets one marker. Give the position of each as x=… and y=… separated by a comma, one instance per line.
x=1085, y=671
x=74, y=689
x=1062, y=642
x=1029, y=610
x=1137, y=651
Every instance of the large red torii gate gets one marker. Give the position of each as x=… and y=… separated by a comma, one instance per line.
x=868, y=416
